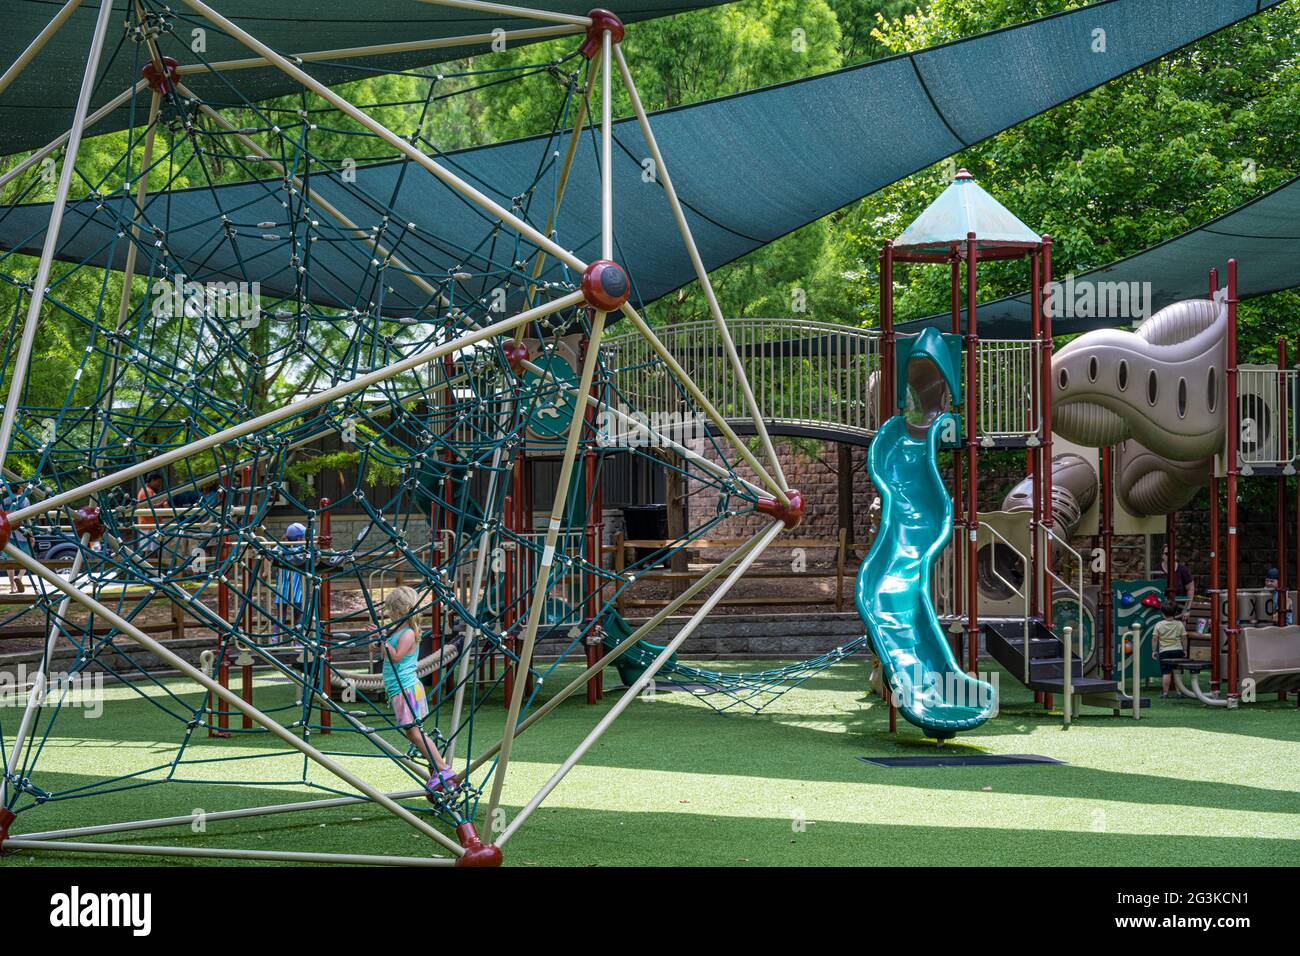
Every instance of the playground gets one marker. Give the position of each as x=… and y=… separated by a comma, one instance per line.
x=371, y=494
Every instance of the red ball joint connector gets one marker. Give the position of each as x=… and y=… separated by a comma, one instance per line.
x=6, y=528
x=601, y=20
x=477, y=853
x=516, y=354
x=790, y=514
x=605, y=286
x=86, y=521
x=7, y=817
x=164, y=80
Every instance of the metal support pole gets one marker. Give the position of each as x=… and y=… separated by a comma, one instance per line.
x=1283, y=400
x=641, y=682
x=548, y=558
x=1107, y=598
x=701, y=273
x=38, y=44
x=36, y=695
x=1045, y=392
x=39, y=283
x=179, y=663
x=1216, y=599
x=1034, y=463
x=218, y=853
x=1234, y=439
x=299, y=407
x=970, y=403
x=324, y=541
x=888, y=386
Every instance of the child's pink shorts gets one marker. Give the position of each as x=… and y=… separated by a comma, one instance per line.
x=410, y=707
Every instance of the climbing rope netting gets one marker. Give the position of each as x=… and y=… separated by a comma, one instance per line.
x=162, y=349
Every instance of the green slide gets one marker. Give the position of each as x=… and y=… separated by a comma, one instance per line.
x=930, y=688
x=633, y=662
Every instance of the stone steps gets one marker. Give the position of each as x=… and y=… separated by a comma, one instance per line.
x=794, y=636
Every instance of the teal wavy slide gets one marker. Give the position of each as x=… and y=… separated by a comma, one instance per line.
x=893, y=590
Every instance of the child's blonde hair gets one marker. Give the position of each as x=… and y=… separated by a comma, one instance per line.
x=399, y=602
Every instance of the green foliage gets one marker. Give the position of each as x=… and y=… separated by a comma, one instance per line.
x=1130, y=164
x=1135, y=162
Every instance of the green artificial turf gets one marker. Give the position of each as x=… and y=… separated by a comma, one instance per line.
x=674, y=783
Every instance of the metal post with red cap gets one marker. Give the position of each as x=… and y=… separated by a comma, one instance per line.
x=970, y=405
x=249, y=582
x=888, y=399
x=1283, y=416
x=1106, y=599
x=1234, y=439
x=324, y=541
x=1216, y=599
x=958, y=470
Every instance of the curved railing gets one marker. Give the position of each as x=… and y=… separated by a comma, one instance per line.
x=812, y=378
x=807, y=375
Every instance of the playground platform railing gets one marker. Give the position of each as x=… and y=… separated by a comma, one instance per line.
x=1007, y=406
x=815, y=378
x=812, y=375
x=1270, y=432
x=839, y=545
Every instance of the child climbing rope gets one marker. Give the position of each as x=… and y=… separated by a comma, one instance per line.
x=403, y=687
x=1167, y=642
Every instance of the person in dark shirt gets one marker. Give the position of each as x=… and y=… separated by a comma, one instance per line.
x=1180, y=581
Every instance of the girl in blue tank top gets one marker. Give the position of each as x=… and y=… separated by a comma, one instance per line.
x=403, y=687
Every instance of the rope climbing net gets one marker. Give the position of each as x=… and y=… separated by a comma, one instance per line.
x=220, y=339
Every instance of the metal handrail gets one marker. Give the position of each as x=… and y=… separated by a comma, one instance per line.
x=1068, y=668
x=1023, y=590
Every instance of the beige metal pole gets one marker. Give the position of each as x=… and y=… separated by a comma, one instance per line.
x=39, y=283
x=214, y=853
x=211, y=816
x=234, y=700
x=573, y=440
x=342, y=105
x=306, y=404
x=639, y=685
x=542, y=581
x=384, y=49
x=702, y=274
x=37, y=44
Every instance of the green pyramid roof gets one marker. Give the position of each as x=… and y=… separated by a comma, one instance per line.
x=964, y=207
